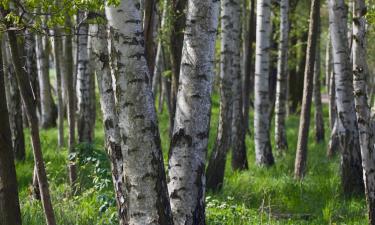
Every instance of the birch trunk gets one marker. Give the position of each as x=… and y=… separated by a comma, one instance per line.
x=9, y=202
x=151, y=21
x=100, y=61
x=303, y=133
x=263, y=151
x=191, y=126
x=29, y=103
x=144, y=174
x=318, y=113
x=48, y=111
x=238, y=132
x=85, y=125
x=248, y=83
x=69, y=85
x=328, y=61
x=229, y=68
x=365, y=125
x=347, y=128
x=60, y=104
x=31, y=67
x=176, y=44
x=282, y=78
x=14, y=104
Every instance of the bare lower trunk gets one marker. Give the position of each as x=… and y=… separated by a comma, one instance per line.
x=100, y=61
x=303, y=133
x=263, y=150
x=238, y=132
x=28, y=101
x=282, y=79
x=351, y=168
x=229, y=69
x=9, y=202
x=13, y=103
x=191, y=128
x=318, y=113
x=365, y=125
x=144, y=174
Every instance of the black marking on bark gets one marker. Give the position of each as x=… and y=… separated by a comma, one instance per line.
x=202, y=135
x=108, y=123
x=181, y=139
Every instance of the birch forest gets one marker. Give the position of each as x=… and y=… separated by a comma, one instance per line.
x=187, y=112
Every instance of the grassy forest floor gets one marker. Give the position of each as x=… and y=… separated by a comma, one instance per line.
x=257, y=196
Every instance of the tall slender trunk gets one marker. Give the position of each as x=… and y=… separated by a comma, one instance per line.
x=248, y=84
x=282, y=78
x=229, y=69
x=176, y=42
x=31, y=67
x=13, y=103
x=238, y=132
x=318, y=113
x=263, y=151
x=71, y=97
x=303, y=133
x=100, y=61
x=9, y=202
x=365, y=125
x=60, y=104
x=48, y=108
x=147, y=201
x=328, y=61
x=191, y=128
x=85, y=125
x=347, y=128
x=29, y=103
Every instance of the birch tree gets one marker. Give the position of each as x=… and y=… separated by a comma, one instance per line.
x=14, y=103
x=263, y=150
x=147, y=201
x=303, y=132
x=48, y=111
x=317, y=97
x=191, y=127
x=85, y=124
x=229, y=69
x=365, y=125
x=9, y=202
x=347, y=128
x=100, y=61
x=69, y=81
x=282, y=79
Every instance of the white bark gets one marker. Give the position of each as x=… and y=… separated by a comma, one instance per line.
x=191, y=125
x=144, y=174
x=48, y=117
x=282, y=78
x=84, y=88
x=229, y=73
x=351, y=169
x=100, y=61
x=365, y=125
x=263, y=151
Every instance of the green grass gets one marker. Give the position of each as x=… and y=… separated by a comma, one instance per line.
x=257, y=196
